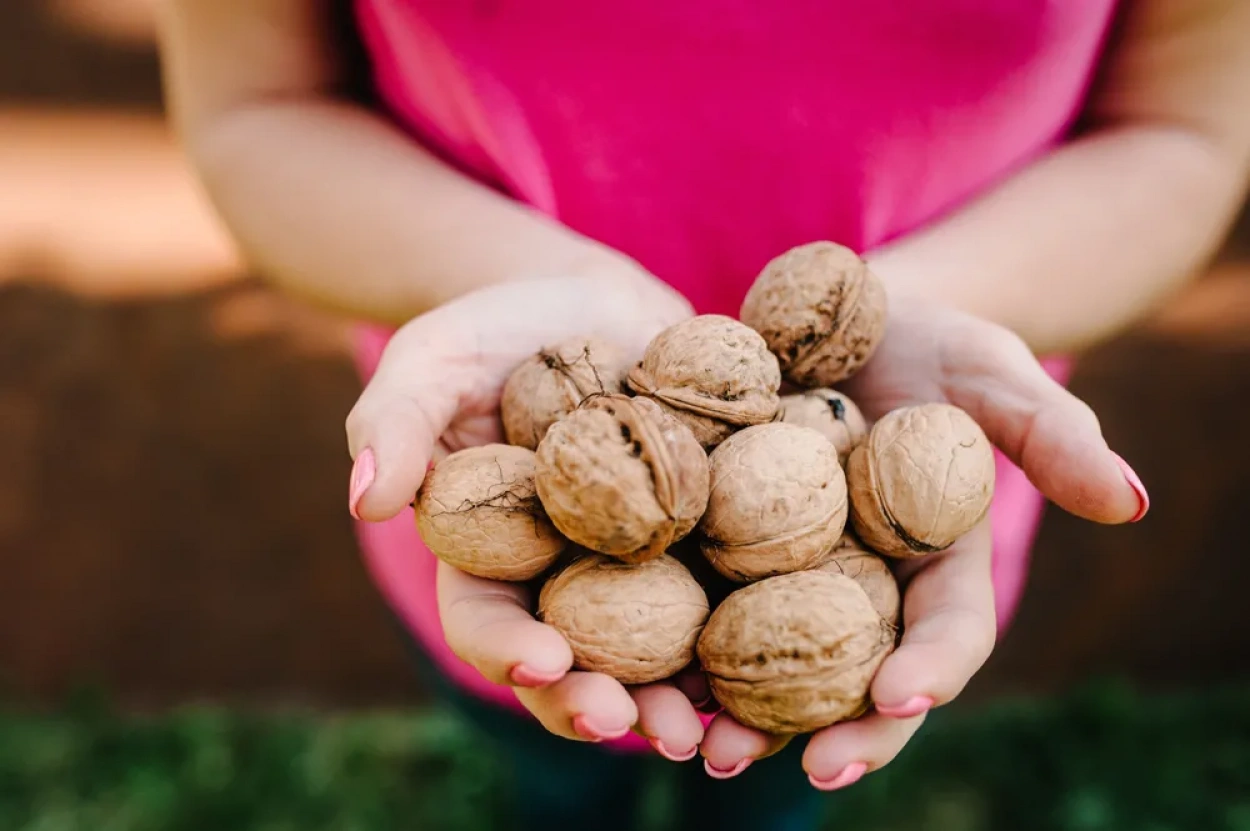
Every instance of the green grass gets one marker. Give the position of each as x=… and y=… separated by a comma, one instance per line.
x=1103, y=759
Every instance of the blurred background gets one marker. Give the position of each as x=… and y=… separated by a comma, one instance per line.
x=187, y=637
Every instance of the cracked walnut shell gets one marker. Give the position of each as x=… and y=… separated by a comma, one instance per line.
x=871, y=572
x=778, y=502
x=622, y=477
x=636, y=623
x=794, y=653
x=552, y=383
x=821, y=311
x=830, y=413
x=713, y=373
x=477, y=510
x=922, y=479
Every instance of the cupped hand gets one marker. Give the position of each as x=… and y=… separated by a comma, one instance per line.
x=437, y=390
x=935, y=354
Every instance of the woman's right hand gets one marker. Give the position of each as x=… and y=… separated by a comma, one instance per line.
x=437, y=390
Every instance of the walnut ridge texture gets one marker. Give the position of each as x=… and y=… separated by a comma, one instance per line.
x=871, y=572
x=713, y=373
x=821, y=311
x=923, y=478
x=638, y=624
x=794, y=653
x=622, y=477
x=778, y=502
x=478, y=510
x=831, y=413
x=552, y=383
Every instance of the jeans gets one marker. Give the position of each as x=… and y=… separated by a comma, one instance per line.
x=562, y=783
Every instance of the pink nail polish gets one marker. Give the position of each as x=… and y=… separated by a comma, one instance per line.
x=363, y=471
x=908, y=709
x=592, y=733
x=717, y=773
x=849, y=775
x=673, y=757
x=1143, y=498
x=523, y=676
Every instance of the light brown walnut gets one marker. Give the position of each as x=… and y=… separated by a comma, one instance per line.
x=622, y=477
x=821, y=311
x=478, y=510
x=922, y=479
x=794, y=653
x=637, y=623
x=778, y=502
x=831, y=413
x=552, y=383
x=871, y=572
x=713, y=373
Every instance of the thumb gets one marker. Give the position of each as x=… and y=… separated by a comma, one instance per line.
x=394, y=428
x=1044, y=429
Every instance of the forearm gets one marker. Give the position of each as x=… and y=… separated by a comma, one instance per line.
x=332, y=203
x=1082, y=243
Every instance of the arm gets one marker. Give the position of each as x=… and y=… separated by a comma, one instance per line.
x=326, y=199
x=1098, y=232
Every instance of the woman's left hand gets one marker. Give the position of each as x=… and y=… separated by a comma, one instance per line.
x=931, y=353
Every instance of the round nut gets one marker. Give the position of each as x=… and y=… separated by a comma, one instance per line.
x=478, y=510
x=871, y=572
x=778, y=502
x=552, y=383
x=830, y=413
x=713, y=373
x=821, y=311
x=922, y=479
x=794, y=653
x=621, y=477
x=638, y=624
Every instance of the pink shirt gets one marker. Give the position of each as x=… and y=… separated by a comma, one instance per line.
x=703, y=137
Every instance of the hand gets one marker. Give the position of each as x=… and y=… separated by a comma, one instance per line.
x=929, y=354
x=437, y=390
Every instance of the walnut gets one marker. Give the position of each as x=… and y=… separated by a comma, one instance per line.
x=622, y=477
x=871, y=572
x=923, y=478
x=636, y=623
x=477, y=510
x=821, y=311
x=794, y=653
x=552, y=383
x=713, y=373
x=778, y=502
x=829, y=412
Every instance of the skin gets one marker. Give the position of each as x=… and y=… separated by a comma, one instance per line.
x=1061, y=256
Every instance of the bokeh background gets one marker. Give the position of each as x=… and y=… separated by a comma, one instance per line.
x=188, y=639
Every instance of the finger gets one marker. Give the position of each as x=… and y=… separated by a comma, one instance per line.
x=949, y=629
x=394, y=427
x=1044, y=429
x=669, y=721
x=693, y=683
x=839, y=755
x=584, y=706
x=728, y=747
x=488, y=625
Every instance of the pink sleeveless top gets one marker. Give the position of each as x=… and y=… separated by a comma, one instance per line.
x=703, y=138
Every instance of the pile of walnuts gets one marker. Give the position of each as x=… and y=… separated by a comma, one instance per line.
x=686, y=508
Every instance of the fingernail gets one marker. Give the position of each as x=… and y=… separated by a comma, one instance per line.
x=717, y=773
x=363, y=471
x=1143, y=498
x=849, y=775
x=673, y=757
x=526, y=677
x=908, y=709
x=592, y=732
